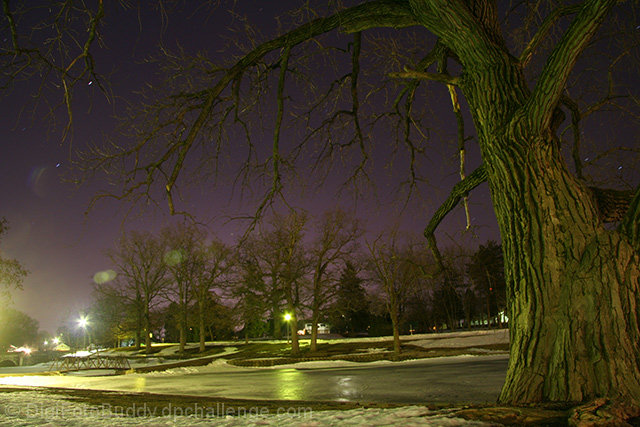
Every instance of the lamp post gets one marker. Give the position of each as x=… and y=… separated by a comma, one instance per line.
x=287, y=318
x=83, y=322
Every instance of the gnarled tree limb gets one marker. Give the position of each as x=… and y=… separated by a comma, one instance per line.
x=543, y=30
x=438, y=77
x=552, y=81
x=381, y=12
x=460, y=190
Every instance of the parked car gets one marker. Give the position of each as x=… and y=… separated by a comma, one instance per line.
x=323, y=328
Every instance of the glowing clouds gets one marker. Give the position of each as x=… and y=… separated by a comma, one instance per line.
x=104, y=276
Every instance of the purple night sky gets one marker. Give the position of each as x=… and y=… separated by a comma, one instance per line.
x=63, y=248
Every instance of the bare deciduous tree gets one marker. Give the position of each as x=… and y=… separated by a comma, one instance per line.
x=184, y=262
x=51, y=45
x=336, y=242
x=142, y=274
x=396, y=273
x=12, y=273
x=216, y=266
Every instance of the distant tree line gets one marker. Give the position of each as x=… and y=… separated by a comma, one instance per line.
x=18, y=329
x=183, y=284
x=12, y=272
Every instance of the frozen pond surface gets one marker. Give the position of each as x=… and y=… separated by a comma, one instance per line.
x=474, y=379
x=464, y=379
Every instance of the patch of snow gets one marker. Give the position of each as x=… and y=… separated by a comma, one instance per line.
x=500, y=336
x=32, y=408
x=93, y=372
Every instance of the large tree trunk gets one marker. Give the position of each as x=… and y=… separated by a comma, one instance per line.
x=183, y=325
x=293, y=330
x=147, y=329
x=201, y=323
x=183, y=333
x=138, y=338
x=396, y=332
x=139, y=326
x=315, y=316
x=572, y=285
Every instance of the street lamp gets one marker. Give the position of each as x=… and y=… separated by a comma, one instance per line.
x=287, y=318
x=83, y=322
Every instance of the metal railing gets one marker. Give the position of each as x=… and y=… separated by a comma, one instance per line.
x=77, y=363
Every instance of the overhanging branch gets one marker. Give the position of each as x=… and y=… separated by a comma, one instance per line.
x=553, y=79
x=546, y=25
x=460, y=190
x=423, y=75
x=380, y=13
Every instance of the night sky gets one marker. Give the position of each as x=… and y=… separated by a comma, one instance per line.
x=63, y=247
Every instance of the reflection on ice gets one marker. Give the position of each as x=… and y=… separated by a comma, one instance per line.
x=347, y=388
x=290, y=384
x=140, y=384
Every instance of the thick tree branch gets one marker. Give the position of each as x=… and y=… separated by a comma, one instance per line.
x=460, y=190
x=630, y=224
x=544, y=29
x=12, y=24
x=546, y=95
x=381, y=12
x=388, y=13
x=462, y=31
x=355, y=99
x=438, y=77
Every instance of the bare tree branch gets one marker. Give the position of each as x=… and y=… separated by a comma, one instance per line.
x=575, y=128
x=544, y=29
x=413, y=74
x=548, y=90
x=460, y=190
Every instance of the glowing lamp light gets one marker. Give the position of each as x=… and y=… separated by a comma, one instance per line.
x=287, y=317
x=25, y=350
x=83, y=322
x=56, y=340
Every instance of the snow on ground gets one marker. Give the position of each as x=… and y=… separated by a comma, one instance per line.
x=438, y=340
x=136, y=362
x=33, y=408
x=172, y=350
x=30, y=408
x=462, y=339
x=459, y=337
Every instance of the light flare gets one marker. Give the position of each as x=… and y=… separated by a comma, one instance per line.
x=104, y=276
x=173, y=257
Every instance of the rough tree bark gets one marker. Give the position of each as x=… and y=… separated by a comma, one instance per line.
x=573, y=285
